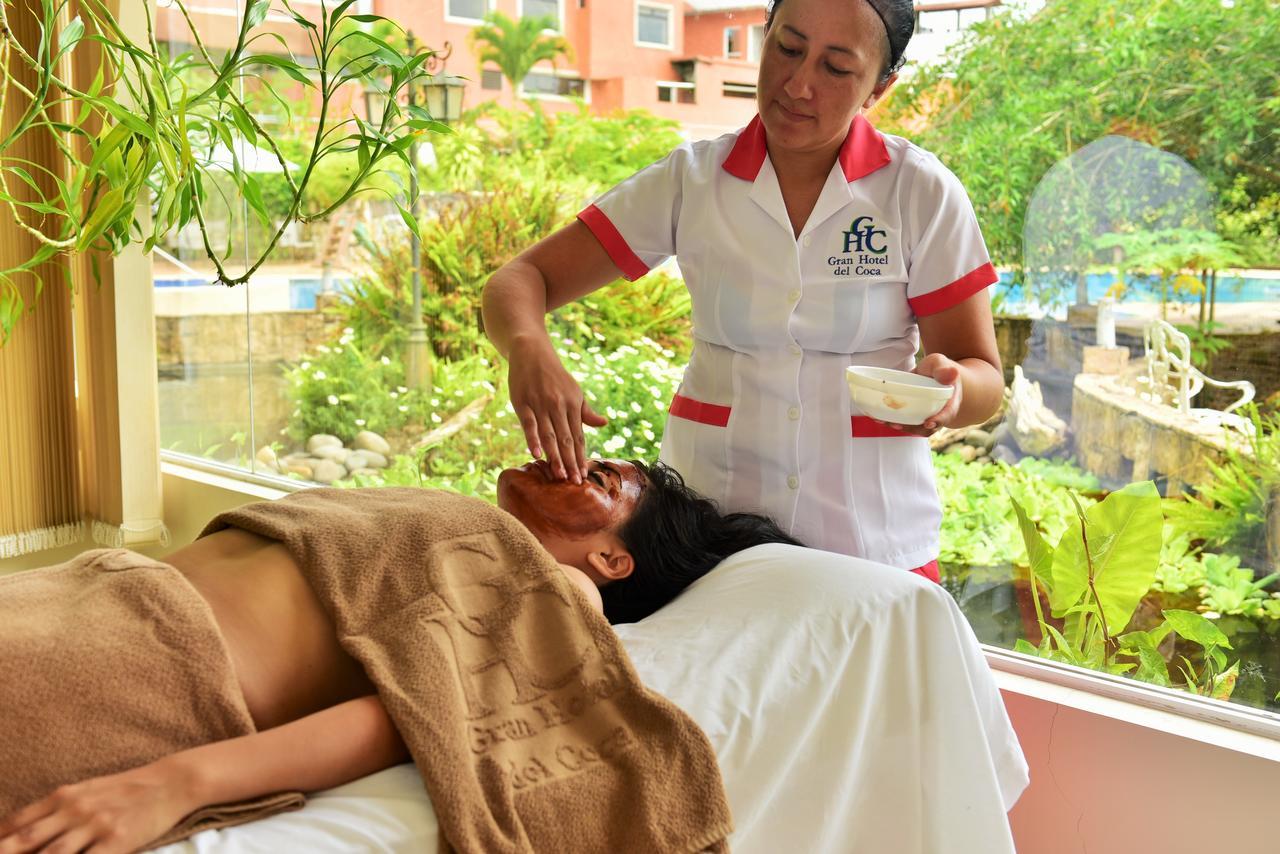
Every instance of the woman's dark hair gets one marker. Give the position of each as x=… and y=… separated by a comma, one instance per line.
x=899, y=19
x=675, y=537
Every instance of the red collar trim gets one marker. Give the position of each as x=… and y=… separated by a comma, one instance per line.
x=862, y=152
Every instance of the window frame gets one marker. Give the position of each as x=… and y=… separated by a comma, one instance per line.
x=671, y=24
x=755, y=48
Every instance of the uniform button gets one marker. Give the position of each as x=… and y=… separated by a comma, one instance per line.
x=793, y=482
x=808, y=238
x=793, y=294
x=793, y=413
x=796, y=350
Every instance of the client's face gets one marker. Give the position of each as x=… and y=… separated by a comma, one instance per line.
x=561, y=508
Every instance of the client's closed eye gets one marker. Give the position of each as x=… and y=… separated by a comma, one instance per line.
x=598, y=478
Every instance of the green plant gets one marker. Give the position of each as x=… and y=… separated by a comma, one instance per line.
x=145, y=128
x=517, y=46
x=1095, y=577
x=1232, y=589
x=1229, y=510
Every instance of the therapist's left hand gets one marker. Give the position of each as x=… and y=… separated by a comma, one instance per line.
x=947, y=372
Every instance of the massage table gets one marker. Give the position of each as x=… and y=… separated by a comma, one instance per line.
x=849, y=705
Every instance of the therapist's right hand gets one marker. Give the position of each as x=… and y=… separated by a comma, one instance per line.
x=551, y=407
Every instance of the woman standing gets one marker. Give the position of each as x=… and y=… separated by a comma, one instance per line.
x=809, y=242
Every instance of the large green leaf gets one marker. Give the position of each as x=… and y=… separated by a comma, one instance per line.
x=1124, y=532
x=1197, y=628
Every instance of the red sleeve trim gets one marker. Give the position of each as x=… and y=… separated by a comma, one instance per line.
x=703, y=413
x=955, y=293
x=612, y=241
x=866, y=427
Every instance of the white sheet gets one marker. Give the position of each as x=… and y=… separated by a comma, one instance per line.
x=849, y=705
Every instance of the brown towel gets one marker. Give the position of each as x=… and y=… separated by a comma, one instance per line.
x=523, y=713
x=107, y=662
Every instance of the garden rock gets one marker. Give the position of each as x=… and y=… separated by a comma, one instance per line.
x=321, y=440
x=968, y=453
x=375, y=460
x=980, y=439
x=367, y=440
x=300, y=469
x=1004, y=454
x=327, y=471
x=337, y=453
x=356, y=460
x=266, y=457
x=366, y=472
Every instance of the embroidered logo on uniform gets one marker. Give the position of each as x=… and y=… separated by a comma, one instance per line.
x=866, y=250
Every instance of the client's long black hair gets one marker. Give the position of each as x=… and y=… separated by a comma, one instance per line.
x=675, y=537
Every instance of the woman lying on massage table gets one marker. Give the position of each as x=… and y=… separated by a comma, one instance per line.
x=630, y=537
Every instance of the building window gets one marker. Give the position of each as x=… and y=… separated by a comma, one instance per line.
x=755, y=42
x=491, y=78
x=653, y=25
x=739, y=90
x=541, y=9
x=542, y=83
x=466, y=10
x=732, y=42
x=675, y=92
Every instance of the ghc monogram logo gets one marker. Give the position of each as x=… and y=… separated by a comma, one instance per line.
x=861, y=237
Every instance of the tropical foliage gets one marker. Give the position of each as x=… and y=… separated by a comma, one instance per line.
x=1184, y=76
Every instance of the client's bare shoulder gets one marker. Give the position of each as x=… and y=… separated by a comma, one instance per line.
x=585, y=584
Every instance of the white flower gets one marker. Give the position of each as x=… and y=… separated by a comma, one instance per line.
x=648, y=434
x=476, y=442
x=435, y=401
x=385, y=360
x=635, y=407
x=484, y=361
x=306, y=366
x=360, y=422
x=626, y=431
x=394, y=395
x=615, y=444
x=503, y=432
x=347, y=330
x=488, y=386
x=333, y=400
x=1211, y=615
x=320, y=375
x=435, y=419
x=575, y=357
x=324, y=349
x=404, y=390
x=403, y=408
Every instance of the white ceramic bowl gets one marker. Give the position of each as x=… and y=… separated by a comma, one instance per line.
x=898, y=396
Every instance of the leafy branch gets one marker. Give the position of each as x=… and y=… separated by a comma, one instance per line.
x=149, y=130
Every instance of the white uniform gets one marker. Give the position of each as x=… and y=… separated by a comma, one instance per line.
x=763, y=421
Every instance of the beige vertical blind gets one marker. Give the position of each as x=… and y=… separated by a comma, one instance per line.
x=80, y=446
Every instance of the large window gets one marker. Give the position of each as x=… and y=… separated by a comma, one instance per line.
x=653, y=25
x=1134, y=230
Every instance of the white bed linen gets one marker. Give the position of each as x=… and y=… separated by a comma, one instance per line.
x=849, y=704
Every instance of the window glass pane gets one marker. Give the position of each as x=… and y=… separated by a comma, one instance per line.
x=652, y=25
x=549, y=84
x=467, y=8
x=543, y=8
x=732, y=42
x=1137, y=309
x=491, y=78
x=739, y=90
